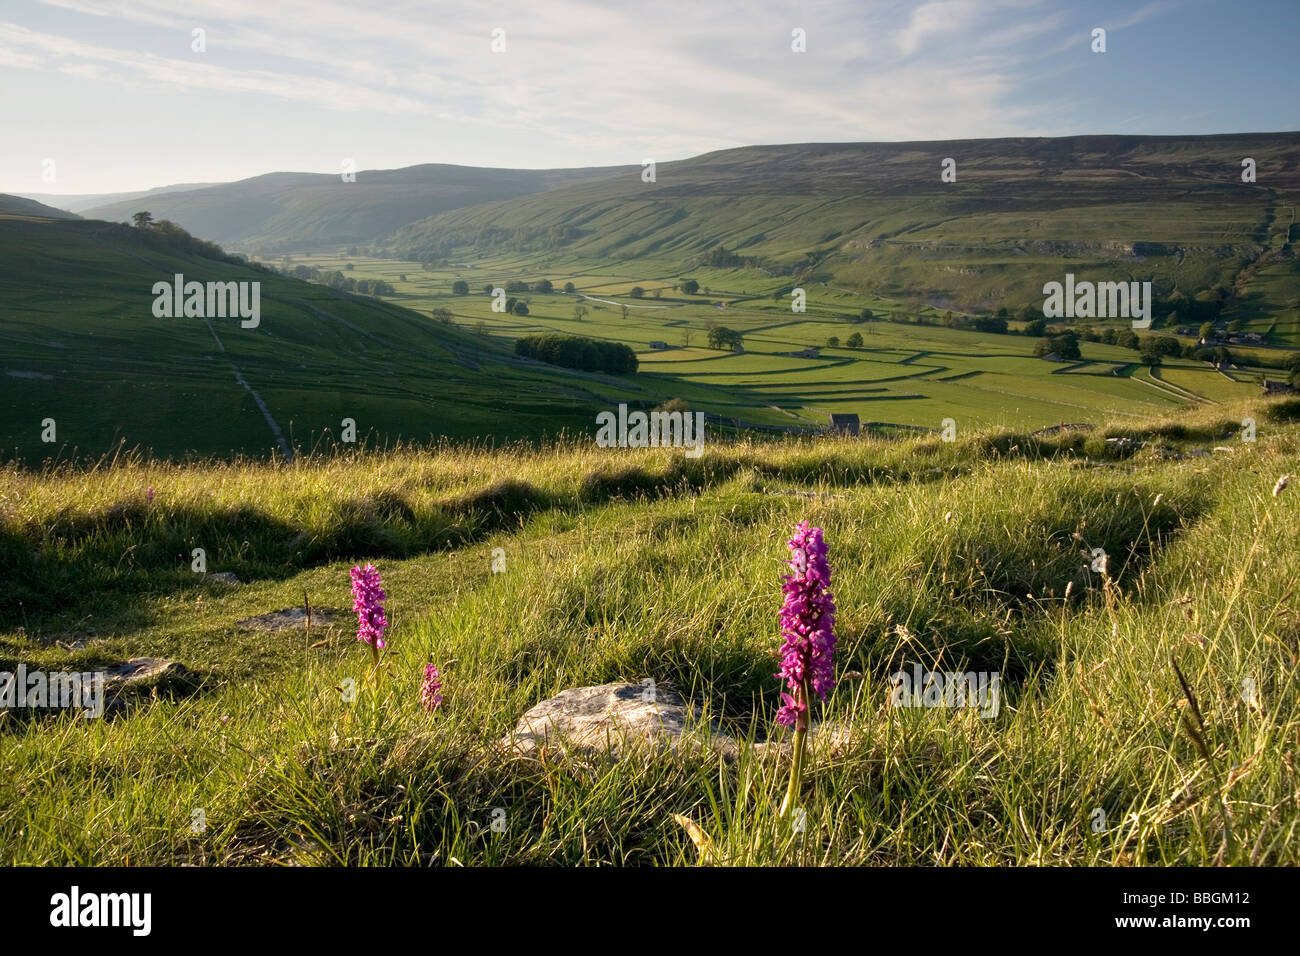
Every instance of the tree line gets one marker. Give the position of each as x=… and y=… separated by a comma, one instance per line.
x=573, y=351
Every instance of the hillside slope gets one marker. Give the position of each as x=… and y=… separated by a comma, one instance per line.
x=21, y=206
x=521, y=573
x=80, y=202
x=80, y=344
x=877, y=215
x=296, y=212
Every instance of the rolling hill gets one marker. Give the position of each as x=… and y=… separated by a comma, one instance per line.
x=80, y=202
x=295, y=212
x=30, y=208
x=878, y=217
x=80, y=345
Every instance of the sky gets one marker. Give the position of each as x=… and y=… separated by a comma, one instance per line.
x=114, y=95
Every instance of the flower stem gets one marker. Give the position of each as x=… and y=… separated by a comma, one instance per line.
x=800, y=738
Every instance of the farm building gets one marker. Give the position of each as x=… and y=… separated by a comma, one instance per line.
x=847, y=423
x=659, y=345
x=1274, y=387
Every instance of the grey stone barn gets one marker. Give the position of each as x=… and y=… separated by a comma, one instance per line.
x=845, y=423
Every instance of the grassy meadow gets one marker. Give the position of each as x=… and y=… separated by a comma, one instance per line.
x=903, y=374
x=628, y=564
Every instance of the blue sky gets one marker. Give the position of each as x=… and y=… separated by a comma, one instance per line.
x=112, y=91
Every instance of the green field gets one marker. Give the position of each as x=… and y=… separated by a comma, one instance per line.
x=903, y=374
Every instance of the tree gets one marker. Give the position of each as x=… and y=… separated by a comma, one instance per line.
x=690, y=286
x=579, y=312
x=687, y=335
x=460, y=287
x=866, y=315
x=833, y=341
x=721, y=337
x=637, y=292
x=487, y=289
x=570, y=287
x=521, y=307
x=402, y=278
x=1236, y=325
x=624, y=310
x=1163, y=345
x=1035, y=327
x=854, y=341
x=1206, y=330
x=1065, y=345
x=1150, y=352
x=1127, y=339
x=543, y=285
x=142, y=220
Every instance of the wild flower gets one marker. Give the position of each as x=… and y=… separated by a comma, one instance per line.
x=808, y=627
x=367, y=600
x=807, y=624
x=429, y=696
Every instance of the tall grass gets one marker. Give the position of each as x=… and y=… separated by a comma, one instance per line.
x=622, y=565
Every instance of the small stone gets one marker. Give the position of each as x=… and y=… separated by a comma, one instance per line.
x=139, y=670
x=224, y=577
x=603, y=718
x=292, y=617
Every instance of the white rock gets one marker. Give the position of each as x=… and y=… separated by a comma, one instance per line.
x=607, y=717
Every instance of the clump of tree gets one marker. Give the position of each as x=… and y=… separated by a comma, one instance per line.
x=572, y=351
x=721, y=258
x=165, y=234
x=996, y=324
x=460, y=287
x=721, y=337
x=690, y=286
x=544, y=286
x=339, y=282
x=1065, y=346
x=854, y=341
x=443, y=315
